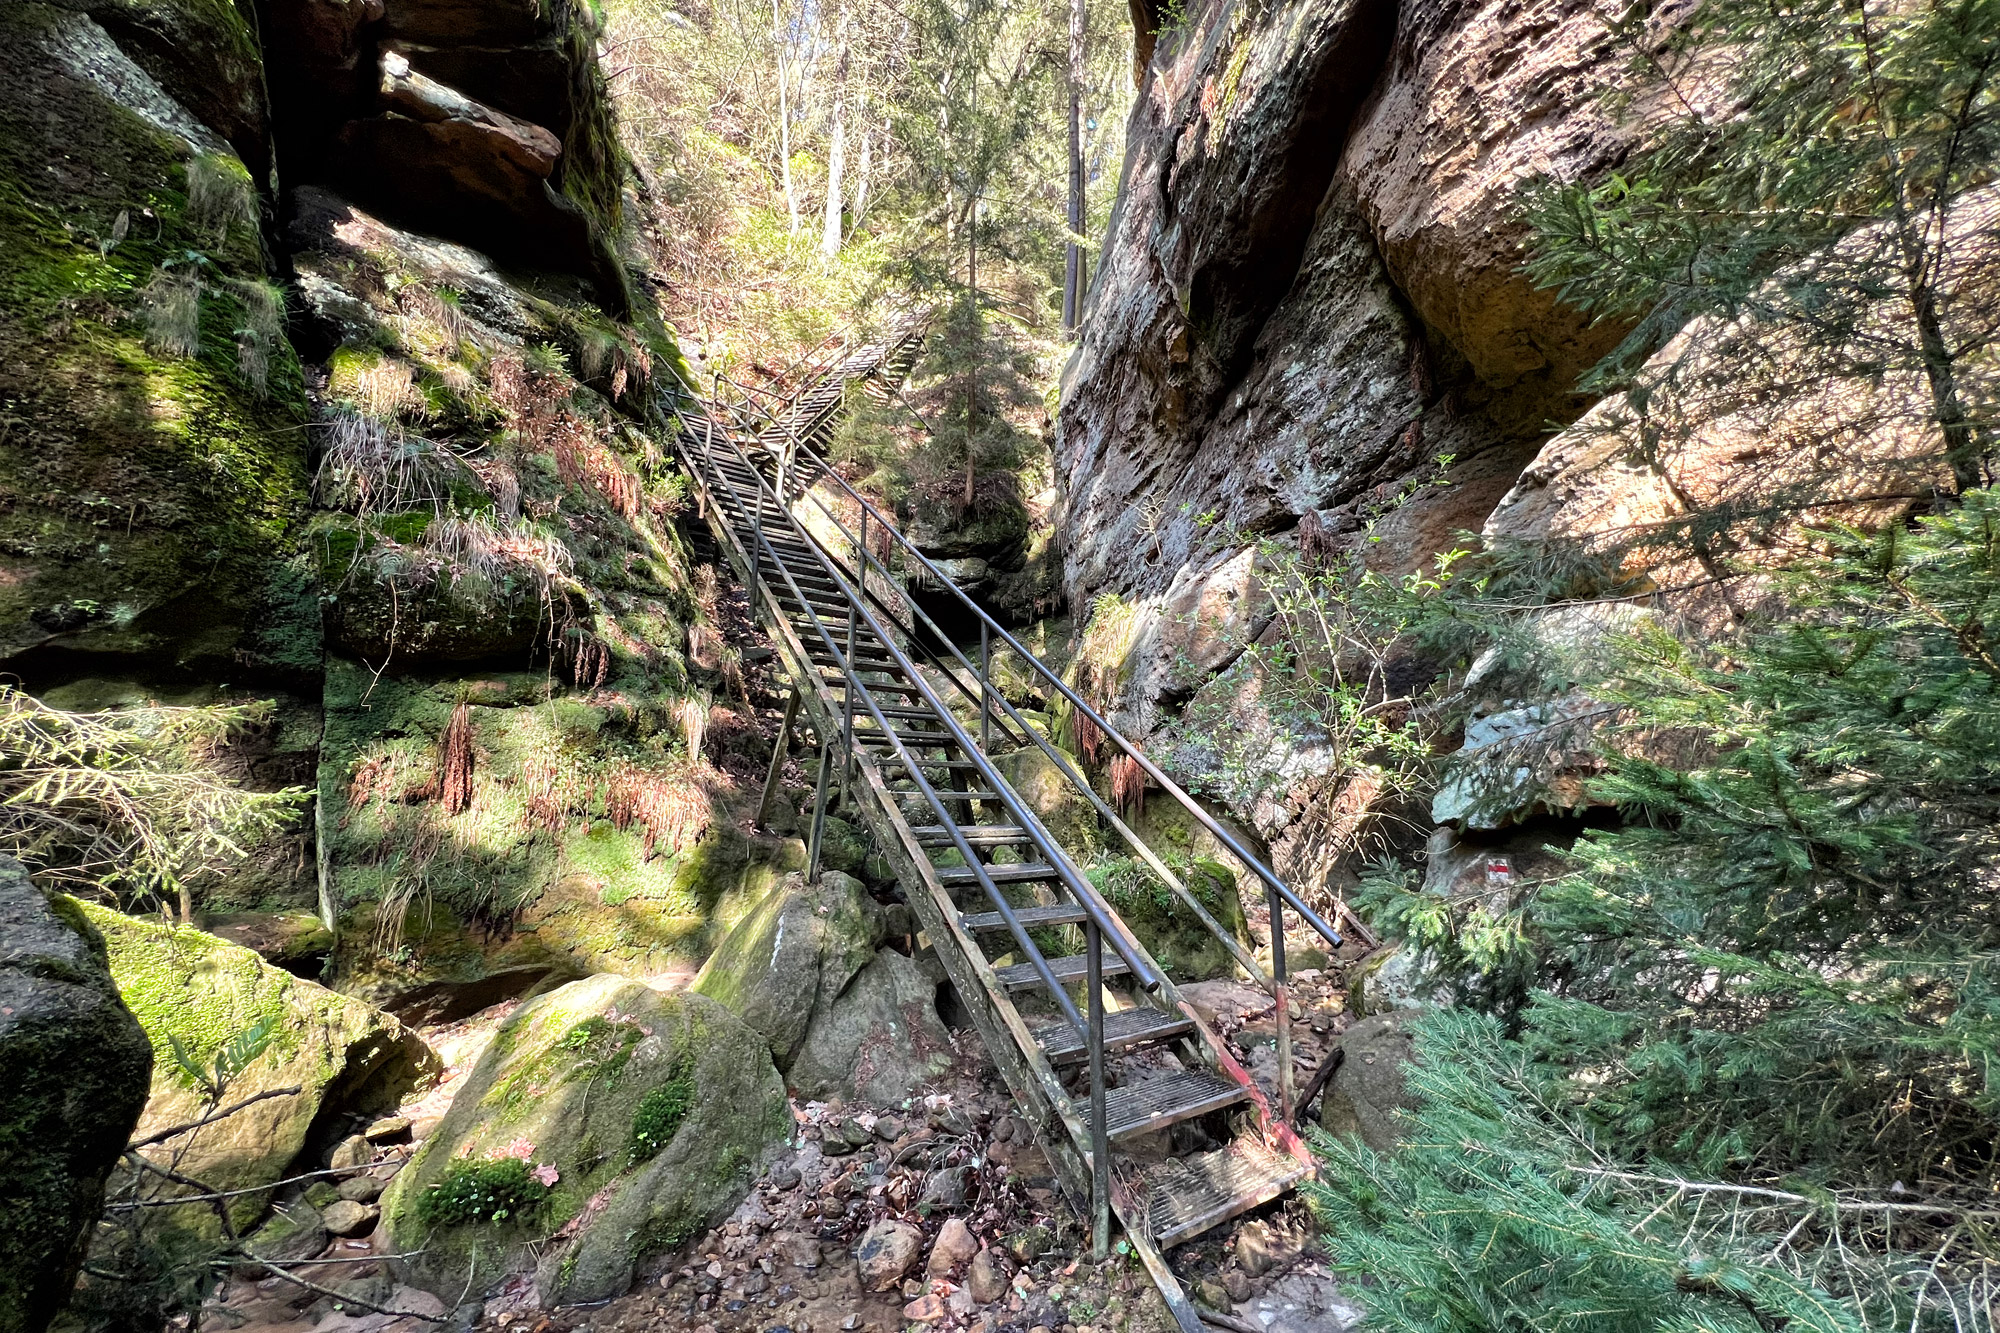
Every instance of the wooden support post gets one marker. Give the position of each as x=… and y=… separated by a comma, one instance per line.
x=778, y=757
x=818, y=830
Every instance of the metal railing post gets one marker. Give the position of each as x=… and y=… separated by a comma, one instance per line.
x=1100, y=1135
x=1287, y=1083
x=818, y=831
x=985, y=699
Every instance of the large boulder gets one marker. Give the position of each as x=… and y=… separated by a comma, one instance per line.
x=843, y=1017
x=76, y=1068
x=190, y=987
x=1367, y=1094
x=792, y=957
x=879, y=1041
x=607, y=1121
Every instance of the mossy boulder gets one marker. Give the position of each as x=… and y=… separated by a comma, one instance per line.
x=1369, y=1093
x=606, y=1122
x=188, y=986
x=76, y=1068
x=880, y=1040
x=792, y=956
x=1172, y=933
x=153, y=476
x=1066, y=812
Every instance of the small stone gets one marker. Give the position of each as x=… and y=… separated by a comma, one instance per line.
x=889, y=1128
x=924, y=1310
x=1257, y=1249
x=986, y=1280
x=946, y=1190
x=351, y=1152
x=1237, y=1285
x=784, y=1177
x=1039, y=1328
x=1028, y=1244
x=960, y=1302
x=834, y=1144
x=887, y=1250
x=849, y=1324
x=361, y=1189
x=714, y=1269
x=348, y=1218
x=469, y=1315
x=1212, y=1294
x=800, y=1251
x=1056, y=1293
x=389, y=1129
x=953, y=1246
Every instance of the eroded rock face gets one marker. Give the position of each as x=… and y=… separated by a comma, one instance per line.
x=77, y=1065
x=183, y=984
x=644, y=1117
x=1309, y=293
x=126, y=392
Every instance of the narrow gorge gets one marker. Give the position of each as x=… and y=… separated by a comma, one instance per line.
x=1036, y=668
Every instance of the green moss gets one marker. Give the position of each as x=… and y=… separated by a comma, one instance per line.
x=660, y=1113
x=490, y=1192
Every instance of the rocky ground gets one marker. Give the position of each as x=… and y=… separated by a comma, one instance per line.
x=943, y=1213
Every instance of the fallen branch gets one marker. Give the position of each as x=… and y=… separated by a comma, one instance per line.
x=1785, y=1196
x=131, y=1204
x=193, y=1125
x=342, y=1296
x=1228, y=1321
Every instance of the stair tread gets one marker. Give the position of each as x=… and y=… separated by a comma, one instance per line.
x=979, y=835
x=1060, y=914
x=1032, y=872
x=1185, y=1196
x=1062, y=1043
x=1139, y=1108
x=1073, y=967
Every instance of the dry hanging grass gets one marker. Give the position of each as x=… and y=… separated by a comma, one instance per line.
x=455, y=761
x=1089, y=737
x=1128, y=784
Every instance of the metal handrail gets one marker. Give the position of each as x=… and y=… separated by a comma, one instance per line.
x=1270, y=878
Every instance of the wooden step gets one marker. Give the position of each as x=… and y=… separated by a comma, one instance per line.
x=1032, y=873
x=1063, y=1044
x=979, y=835
x=1062, y=914
x=1073, y=967
x=1167, y=1099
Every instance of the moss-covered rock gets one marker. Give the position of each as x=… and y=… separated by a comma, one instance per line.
x=187, y=986
x=607, y=1121
x=76, y=1067
x=1174, y=935
x=792, y=956
x=153, y=474
x=880, y=1041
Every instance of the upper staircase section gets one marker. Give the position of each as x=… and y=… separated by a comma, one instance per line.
x=1145, y=1112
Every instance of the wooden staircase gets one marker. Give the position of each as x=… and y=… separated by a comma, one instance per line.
x=1143, y=1111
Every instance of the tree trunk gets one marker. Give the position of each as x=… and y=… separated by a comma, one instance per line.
x=866, y=165
x=1073, y=256
x=784, y=121
x=836, y=157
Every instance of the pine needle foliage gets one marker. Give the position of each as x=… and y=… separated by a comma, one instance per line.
x=131, y=805
x=1778, y=980
x=1799, y=164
